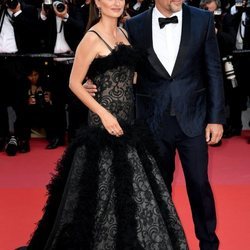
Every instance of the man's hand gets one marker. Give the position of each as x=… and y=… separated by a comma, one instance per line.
x=18, y=7
x=90, y=87
x=43, y=11
x=213, y=133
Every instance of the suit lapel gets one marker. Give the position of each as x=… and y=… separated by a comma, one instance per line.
x=184, y=44
x=183, y=49
x=152, y=57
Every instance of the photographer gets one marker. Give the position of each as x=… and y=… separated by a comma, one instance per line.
x=241, y=14
x=226, y=35
x=36, y=108
x=224, y=26
x=62, y=27
x=18, y=27
x=23, y=21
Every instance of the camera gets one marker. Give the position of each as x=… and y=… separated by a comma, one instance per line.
x=40, y=101
x=229, y=70
x=218, y=19
x=218, y=12
x=49, y=4
x=60, y=6
x=12, y=4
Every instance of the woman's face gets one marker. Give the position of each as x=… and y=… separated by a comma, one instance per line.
x=111, y=8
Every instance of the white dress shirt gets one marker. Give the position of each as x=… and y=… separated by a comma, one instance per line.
x=61, y=45
x=7, y=35
x=166, y=41
x=241, y=28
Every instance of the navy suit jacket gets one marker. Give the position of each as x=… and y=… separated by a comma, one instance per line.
x=195, y=88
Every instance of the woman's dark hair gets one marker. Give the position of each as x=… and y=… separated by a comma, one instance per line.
x=93, y=15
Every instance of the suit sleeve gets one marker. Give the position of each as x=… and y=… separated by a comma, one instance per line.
x=215, y=93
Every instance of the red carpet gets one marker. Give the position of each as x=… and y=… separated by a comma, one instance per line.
x=23, y=179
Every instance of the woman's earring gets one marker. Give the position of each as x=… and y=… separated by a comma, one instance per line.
x=99, y=12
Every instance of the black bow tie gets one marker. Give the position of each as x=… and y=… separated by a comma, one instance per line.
x=167, y=20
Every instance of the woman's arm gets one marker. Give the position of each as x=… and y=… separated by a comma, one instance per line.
x=83, y=58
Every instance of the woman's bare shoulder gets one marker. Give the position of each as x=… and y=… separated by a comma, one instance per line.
x=90, y=43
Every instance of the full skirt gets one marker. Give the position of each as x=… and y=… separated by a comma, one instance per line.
x=108, y=194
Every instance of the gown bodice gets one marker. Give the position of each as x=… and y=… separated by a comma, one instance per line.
x=113, y=75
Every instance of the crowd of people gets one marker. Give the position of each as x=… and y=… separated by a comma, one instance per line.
x=232, y=27
x=40, y=37
x=32, y=33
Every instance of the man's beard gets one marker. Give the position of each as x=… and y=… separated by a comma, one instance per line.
x=175, y=8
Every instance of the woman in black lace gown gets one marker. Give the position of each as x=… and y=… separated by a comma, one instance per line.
x=108, y=192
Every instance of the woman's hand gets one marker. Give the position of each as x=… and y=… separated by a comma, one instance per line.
x=111, y=124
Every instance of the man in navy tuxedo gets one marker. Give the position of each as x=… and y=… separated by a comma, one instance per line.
x=180, y=94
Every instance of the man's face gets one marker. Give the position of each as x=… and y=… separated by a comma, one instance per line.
x=33, y=77
x=168, y=7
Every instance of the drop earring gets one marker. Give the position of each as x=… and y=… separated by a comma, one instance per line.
x=99, y=12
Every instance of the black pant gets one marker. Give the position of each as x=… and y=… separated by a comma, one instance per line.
x=193, y=152
x=38, y=117
x=4, y=123
x=77, y=111
x=11, y=72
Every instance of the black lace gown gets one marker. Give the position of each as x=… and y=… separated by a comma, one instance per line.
x=108, y=192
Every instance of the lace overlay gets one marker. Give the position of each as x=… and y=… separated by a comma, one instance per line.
x=115, y=93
